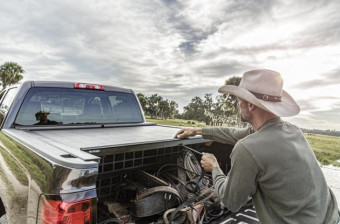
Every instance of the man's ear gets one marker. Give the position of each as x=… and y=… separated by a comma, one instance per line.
x=251, y=107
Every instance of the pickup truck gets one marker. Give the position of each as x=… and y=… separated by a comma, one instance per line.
x=82, y=153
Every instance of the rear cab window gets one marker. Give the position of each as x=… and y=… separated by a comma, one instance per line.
x=65, y=106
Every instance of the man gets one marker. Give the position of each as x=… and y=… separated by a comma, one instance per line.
x=271, y=161
x=41, y=116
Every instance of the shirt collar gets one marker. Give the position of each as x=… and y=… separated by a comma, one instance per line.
x=274, y=120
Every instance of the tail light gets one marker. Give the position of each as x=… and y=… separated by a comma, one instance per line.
x=60, y=212
x=88, y=86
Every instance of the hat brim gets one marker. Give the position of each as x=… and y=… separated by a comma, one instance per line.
x=286, y=108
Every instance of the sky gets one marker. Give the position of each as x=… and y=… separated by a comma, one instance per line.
x=180, y=49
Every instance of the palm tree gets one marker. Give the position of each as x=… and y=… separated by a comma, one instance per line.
x=10, y=73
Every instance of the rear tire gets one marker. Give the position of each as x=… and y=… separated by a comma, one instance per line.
x=3, y=219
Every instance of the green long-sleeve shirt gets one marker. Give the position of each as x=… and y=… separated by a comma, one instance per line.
x=276, y=167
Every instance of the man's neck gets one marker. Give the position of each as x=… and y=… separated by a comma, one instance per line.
x=260, y=119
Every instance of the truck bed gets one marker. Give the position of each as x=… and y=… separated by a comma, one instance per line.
x=106, y=137
x=77, y=147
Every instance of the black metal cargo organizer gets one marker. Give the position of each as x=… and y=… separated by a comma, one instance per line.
x=114, y=169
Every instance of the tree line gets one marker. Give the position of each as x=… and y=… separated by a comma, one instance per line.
x=322, y=132
x=220, y=110
x=157, y=107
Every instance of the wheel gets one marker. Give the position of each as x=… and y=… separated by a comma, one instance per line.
x=3, y=219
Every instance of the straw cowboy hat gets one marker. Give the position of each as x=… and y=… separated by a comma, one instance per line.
x=263, y=88
x=40, y=113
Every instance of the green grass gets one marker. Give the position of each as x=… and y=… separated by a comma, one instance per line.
x=177, y=122
x=326, y=148
x=38, y=167
x=21, y=177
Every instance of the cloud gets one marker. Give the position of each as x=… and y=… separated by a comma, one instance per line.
x=318, y=118
x=179, y=49
x=328, y=78
x=331, y=115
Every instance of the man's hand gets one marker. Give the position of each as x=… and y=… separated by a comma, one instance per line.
x=209, y=162
x=188, y=132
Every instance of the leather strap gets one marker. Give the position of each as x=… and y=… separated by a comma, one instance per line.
x=267, y=97
x=164, y=189
x=179, y=208
x=195, y=189
x=152, y=205
x=193, y=185
x=153, y=201
x=148, y=179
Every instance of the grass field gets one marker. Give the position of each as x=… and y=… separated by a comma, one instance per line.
x=177, y=122
x=326, y=148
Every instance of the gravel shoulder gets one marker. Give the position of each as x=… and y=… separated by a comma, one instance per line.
x=332, y=175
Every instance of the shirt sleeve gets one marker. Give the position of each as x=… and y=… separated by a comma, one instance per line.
x=235, y=189
x=226, y=135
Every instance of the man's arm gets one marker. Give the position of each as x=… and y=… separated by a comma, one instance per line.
x=220, y=134
x=226, y=135
x=235, y=189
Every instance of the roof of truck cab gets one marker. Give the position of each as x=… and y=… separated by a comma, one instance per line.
x=68, y=84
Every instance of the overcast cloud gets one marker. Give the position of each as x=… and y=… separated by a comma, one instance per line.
x=181, y=49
